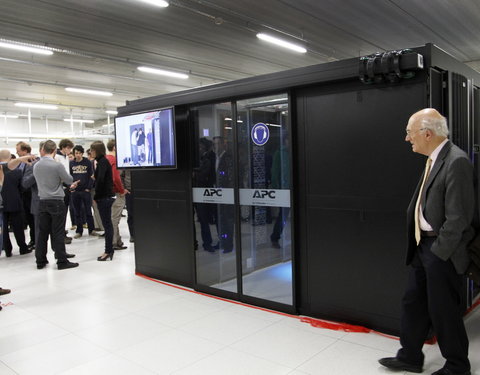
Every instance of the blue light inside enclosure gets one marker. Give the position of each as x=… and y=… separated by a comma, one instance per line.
x=282, y=272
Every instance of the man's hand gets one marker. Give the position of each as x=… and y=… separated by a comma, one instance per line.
x=74, y=185
x=1, y=175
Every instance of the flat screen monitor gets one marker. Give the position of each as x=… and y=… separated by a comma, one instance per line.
x=146, y=140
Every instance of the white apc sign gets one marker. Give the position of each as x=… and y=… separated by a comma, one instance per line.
x=213, y=195
x=265, y=197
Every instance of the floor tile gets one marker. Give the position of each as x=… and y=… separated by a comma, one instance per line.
x=169, y=351
x=51, y=357
x=122, y=332
x=232, y=362
x=178, y=312
x=27, y=333
x=225, y=327
x=109, y=365
x=343, y=358
x=5, y=370
x=284, y=345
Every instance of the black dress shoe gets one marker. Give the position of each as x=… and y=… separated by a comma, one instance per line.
x=8, y=253
x=446, y=371
x=68, y=255
x=66, y=265
x=396, y=364
x=41, y=266
x=119, y=247
x=27, y=251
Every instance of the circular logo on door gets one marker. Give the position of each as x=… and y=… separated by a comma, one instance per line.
x=260, y=134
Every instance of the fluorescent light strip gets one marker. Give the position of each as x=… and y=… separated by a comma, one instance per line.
x=158, y=3
x=112, y=112
x=8, y=116
x=78, y=120
x=162, y=72
x=281, y=43
x=36, y=105
x=88, y=92
x=25, y=48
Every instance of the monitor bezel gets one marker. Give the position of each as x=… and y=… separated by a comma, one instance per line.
x=149, y=167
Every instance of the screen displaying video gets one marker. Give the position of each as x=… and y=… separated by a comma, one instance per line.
x=146, y=140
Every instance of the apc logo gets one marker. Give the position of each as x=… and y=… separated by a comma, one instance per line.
x=212, y=193
x=264, y=193
x=260, y=134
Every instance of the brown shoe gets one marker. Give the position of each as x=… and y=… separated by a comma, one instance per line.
x=4, y=291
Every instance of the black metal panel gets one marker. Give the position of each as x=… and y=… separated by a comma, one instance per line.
x=436, y=92
x=356, y=178
x=459, y=112
x=163, y=217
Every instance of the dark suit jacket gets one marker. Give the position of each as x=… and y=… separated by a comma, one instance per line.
x=28, y=182
x=11, y=193
x=448, y=203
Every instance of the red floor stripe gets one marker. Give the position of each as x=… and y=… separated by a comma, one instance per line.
x=305, y=319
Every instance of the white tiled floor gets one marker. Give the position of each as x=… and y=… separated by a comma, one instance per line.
x=102, y=319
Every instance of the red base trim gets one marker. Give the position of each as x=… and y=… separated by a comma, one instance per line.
x=305, y=319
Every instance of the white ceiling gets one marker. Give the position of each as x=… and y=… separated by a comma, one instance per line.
x=99, y=43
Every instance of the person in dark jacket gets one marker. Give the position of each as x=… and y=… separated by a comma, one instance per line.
x=81, y=170
x=104, y=195
x=24, y=149
x=12, y=207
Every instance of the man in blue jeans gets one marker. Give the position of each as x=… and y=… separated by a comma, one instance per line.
x=50, y=177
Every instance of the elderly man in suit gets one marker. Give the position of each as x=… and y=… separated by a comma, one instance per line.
x=439, y=220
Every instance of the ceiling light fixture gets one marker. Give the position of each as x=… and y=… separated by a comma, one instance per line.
x=78, y=120
x=162, y=72
x=112, y=112
x=25, y=47
x=281, y=43
x=88, y=92
x=8, y=116
x=158, y=3
x=36, y=105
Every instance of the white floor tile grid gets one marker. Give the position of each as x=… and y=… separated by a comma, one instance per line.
x=102, y=319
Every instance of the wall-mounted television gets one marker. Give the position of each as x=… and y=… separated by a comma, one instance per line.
x=146, y=140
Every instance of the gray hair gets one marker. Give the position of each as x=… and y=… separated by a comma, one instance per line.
x=438, y=125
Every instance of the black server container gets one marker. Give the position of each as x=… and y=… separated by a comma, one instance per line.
x=354, y=175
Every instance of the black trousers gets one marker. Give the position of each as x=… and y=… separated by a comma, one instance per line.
x=16, y=219
x=280, y=223
x=432, y=299
x=105, y=210
x=204, y=215
x=29, y=219
x=82, y=203
x=225, y=226
x=51, y=222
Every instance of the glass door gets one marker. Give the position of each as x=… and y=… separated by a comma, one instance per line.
x=265, y=184
x=242, y=198
x=213, y=197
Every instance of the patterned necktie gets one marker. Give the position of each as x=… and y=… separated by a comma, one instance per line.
x=417, y=205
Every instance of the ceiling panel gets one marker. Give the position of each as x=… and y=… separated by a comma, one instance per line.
x=100, y=43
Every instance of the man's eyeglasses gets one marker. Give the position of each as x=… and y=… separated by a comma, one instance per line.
x=410, y=132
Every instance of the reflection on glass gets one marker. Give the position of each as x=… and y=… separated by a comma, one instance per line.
x=264, y=167
x=213, y=183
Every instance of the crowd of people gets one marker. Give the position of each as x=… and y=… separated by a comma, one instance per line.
x=37, y=192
